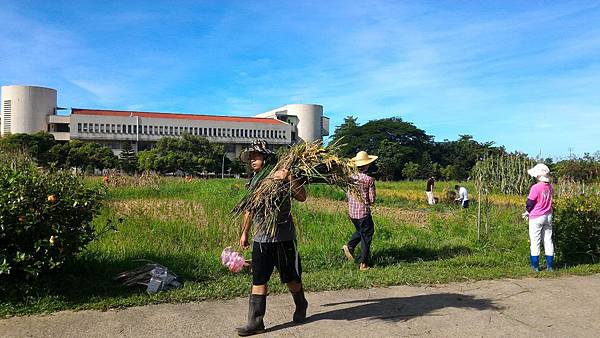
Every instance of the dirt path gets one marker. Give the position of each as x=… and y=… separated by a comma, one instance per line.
x=565, y=307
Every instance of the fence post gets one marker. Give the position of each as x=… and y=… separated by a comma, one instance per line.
x=478, y=213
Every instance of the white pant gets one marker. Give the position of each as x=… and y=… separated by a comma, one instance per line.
x=539, y=226
x=430, y=198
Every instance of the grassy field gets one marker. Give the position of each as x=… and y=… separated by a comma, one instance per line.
x=185, y=225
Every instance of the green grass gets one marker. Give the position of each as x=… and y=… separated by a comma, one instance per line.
x=168, y=226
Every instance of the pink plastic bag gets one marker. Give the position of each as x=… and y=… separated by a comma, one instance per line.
x=234, y=261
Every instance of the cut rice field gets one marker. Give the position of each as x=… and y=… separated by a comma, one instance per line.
x=185, y=225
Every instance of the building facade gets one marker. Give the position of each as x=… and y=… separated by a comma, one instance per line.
x=28, y=109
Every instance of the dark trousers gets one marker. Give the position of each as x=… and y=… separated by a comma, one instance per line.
x=365, y=228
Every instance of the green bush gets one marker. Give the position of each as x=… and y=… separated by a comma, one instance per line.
x=44, y=218
x=577, y=228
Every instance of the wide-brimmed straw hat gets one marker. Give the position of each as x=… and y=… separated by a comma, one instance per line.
x=540, y=171
x=257, y=146
x=362, y=158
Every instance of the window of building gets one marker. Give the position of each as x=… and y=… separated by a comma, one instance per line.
x=96, y=128
x=79, y=127
x=135, y=129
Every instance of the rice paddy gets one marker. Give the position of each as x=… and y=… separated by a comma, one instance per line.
x=185, y=225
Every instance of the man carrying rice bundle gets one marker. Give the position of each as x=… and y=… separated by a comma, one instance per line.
x=359, y=209
x=266, y=207
x=269, y=249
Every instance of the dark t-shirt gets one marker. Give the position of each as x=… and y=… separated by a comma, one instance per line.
x=286, y=231
x=430, y=184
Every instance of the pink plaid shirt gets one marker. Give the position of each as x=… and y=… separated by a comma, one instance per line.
x=356, y=208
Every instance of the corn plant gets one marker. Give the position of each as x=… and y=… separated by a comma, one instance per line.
x=506, y=174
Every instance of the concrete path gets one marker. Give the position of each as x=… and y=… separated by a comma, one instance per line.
x=565, y=307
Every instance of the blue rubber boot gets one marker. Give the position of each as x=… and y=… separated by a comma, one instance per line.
x=535, y=263
x=550, y=263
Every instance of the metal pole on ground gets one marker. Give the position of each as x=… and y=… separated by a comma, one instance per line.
x=478, y=213
x=223, y=167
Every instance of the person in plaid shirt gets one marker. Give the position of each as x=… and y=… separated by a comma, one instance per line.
x=360, y=211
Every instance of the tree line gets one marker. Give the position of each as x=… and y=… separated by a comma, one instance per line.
x=407, y=152
x=189, y=154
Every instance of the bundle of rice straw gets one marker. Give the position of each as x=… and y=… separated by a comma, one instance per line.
x=307, y=163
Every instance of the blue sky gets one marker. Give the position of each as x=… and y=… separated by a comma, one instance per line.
x=524, y=74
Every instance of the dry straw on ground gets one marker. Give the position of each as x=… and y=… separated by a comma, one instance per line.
x=419, y=218
x=164, y=210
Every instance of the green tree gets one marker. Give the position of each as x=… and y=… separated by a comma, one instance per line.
x=37, y=145
x=411, y=170
x=128, y=158
x=345, y=129
x=369, y=136
x=449, y=172
x=392, y=158
x=190, y=154
x=85, y=155
x=426, y=165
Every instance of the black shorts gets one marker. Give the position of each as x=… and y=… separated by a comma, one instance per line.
x=282, y=255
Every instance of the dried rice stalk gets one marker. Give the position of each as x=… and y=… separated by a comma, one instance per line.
x=307, y=163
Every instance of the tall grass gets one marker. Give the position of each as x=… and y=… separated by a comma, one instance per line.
x=185, y=225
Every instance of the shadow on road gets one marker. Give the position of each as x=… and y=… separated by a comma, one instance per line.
x=396, y=309
x=409, y=253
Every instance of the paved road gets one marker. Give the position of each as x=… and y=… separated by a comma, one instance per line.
x=565, y=307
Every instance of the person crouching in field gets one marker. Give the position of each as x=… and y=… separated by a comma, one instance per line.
x=463, y=196
x=539, y=212
x=270, y=251
x=360, y=211
x=429, y=190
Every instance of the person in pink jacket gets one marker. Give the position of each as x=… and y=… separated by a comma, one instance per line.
x=539, y=212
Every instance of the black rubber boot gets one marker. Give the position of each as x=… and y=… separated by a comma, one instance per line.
x=301, y=306
x=256, y=312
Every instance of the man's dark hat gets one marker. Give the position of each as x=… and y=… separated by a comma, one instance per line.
x=257, y=146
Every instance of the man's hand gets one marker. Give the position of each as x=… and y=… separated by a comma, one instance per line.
x=244, y=240
x=282, y=175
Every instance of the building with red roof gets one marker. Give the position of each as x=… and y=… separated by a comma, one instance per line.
x=28, y=109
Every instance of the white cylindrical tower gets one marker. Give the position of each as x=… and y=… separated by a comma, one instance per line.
x=310, y=118
x=307, y=118
x=25, y=109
